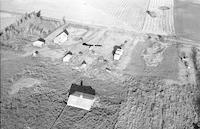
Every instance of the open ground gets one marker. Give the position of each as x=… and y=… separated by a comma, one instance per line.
x=154, y=85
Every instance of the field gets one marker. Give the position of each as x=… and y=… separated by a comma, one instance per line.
x=154, y=85
x=185, y=14
x=126, y=14
x=163, y=23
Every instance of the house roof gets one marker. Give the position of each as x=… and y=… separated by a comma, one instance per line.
x=64, y=31
x=115, y=48
x=68, y=53
x=81, y=96
x=82, y=89
x=80, y=101
x=84, y=95
x=41, y=39
x=84, y=62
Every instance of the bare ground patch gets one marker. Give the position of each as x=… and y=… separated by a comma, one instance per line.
x=167, y=68
x=24, y=83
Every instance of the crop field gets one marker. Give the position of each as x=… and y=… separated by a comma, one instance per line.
x=163, y=23
x=77, y=11
x=126, y=14
x=132, y=12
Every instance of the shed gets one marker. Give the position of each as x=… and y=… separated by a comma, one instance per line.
x=62, y=37
x=81, y=96
x=83, y=65
x=117, y=52
x=67, y=56
x=39, y=43
x=34, y=54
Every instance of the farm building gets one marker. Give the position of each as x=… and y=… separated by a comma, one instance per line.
x=117, y=52
x=34, y=54
x=81, y=96
x=62, y=37
x=39, y=43
x=83, y=65
x=67, y=56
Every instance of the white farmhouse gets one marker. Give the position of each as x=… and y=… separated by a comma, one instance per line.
x=81, y=97
x=62, y=37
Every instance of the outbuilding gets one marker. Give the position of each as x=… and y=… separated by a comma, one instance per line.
x=39, y=43
x=80, y=96
x=35, y=53
x=117, y=52
x=67, y=56
x=62, y=37
x=83, y=65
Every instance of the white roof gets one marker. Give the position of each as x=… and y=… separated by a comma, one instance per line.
x=118, y=54
x=80, y=102
x=38, y=43
x=61, y=38
x=67, y=58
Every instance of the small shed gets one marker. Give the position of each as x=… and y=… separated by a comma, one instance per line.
x=35, y=53
x=83, y=65
x=67, y=56
x=39, y=43
x=62, y=37
x=81, y=96
x=117, y=52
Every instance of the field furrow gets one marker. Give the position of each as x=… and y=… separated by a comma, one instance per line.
x=163, y=22
x=131, y=12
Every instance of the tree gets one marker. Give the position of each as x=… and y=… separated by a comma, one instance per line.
x=64, y=21
x=38, y=14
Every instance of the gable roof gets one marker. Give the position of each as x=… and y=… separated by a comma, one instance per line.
x=68, y=53
x=64, y=31
x=81, y=101
x=81, y=96
x=41, y=39
x=84, y=62
x=82, y=89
